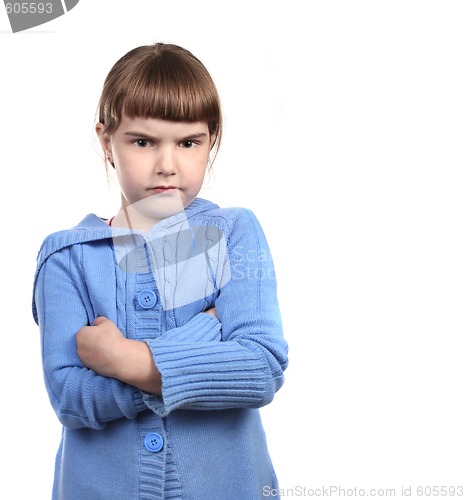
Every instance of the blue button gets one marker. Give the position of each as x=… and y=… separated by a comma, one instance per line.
x=147, y=299
x=153, y=442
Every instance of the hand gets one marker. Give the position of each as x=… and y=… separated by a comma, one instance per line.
x=98, y=346
x=104, y=349
x=212, y=312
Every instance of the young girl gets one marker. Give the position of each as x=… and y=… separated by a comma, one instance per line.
x=160, y=327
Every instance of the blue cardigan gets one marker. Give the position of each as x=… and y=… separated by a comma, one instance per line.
x=203, y=439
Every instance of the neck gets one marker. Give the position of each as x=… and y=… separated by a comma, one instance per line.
x=147, y=212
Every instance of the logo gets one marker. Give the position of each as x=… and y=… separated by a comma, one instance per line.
x=25, y=15
x=187, y=262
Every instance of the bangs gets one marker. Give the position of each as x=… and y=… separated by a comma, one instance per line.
x=161, y=87
x=169, y=96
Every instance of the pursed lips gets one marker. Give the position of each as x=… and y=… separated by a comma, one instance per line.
x=163, y=189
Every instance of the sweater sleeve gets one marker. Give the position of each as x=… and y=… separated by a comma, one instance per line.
x=79, y=396
x=245, y=367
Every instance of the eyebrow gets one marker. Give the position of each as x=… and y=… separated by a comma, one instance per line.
x=199, y=135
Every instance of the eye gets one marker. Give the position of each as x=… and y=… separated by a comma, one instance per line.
x=141, y=143
x=188, y=144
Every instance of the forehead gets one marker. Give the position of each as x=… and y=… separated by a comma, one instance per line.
x=156, y=127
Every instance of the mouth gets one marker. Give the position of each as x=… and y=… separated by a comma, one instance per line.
x=163, y=189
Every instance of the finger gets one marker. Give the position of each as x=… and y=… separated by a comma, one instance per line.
x=212, y=312
x=99, y=320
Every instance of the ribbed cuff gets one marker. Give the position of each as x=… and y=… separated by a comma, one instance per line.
x=208, y=375
x=139, y=401
x=202, y=327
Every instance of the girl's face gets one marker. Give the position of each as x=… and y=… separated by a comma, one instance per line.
x=160, y=164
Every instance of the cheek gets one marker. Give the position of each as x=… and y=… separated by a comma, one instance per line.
x=196, y=175
x=126, y=180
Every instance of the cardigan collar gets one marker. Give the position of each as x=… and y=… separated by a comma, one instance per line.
x=94, y=228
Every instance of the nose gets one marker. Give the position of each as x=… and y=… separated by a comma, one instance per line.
x=166, y=162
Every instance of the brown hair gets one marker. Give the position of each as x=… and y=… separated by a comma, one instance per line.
x=160, y=81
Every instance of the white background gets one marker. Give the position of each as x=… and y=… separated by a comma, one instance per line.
x=344, y=132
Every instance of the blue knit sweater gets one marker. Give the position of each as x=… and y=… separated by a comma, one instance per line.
x=203, y=439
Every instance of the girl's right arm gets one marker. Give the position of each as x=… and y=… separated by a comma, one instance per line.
x=79, y=396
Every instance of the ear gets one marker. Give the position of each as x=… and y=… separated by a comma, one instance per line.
x=212, y=140
x=105, y=142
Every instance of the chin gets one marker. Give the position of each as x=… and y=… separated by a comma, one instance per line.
x=159, y=206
